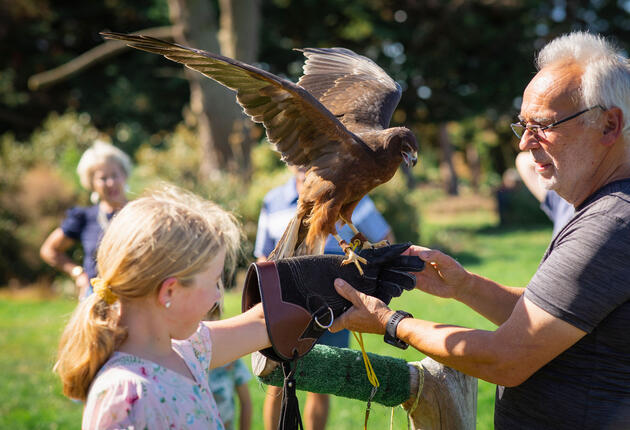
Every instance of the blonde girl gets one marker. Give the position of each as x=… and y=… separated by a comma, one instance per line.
x=136, y=351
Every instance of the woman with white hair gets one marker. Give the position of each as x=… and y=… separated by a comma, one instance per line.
x=103, y=170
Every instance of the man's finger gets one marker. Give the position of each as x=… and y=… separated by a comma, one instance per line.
x=346, y=291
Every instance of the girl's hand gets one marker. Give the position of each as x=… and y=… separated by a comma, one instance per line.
x=442, y=275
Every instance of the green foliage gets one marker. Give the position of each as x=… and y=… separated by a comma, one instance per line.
x=38, y=182
x=399, y=206
x=519, y=207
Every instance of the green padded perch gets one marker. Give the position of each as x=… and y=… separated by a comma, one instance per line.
x=341, y=372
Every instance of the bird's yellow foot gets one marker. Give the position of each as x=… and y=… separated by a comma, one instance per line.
x=353, y=257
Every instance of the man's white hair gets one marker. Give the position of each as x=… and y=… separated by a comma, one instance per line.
x=606, y=78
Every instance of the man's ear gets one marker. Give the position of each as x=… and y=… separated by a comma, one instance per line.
x=166, y=291
x=613, y=124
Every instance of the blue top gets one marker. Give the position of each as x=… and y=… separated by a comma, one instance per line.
x=81, y=224
x=558, y=210
x=280, y=204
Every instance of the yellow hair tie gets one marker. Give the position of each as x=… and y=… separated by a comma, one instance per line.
x=103, y=291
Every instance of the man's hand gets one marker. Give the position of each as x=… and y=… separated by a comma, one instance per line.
x=367, y=314
x=442, y=276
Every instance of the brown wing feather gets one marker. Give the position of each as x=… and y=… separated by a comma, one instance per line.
x=351, y=86
x=299, y=126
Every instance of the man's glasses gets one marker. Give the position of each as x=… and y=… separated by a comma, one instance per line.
x=539, y=130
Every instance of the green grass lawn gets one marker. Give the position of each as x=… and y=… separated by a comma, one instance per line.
x=30, y=394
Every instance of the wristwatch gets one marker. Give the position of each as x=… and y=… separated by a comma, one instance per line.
x=392, y=325
x=76, y=272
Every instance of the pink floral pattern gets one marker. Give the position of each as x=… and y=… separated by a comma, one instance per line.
x=132, y=393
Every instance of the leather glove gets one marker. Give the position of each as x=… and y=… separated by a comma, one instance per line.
x=300, y=301
x=390, y=270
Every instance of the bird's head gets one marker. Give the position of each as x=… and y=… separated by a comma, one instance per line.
x=402, y=141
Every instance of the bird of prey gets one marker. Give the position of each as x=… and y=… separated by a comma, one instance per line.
x=333, y=123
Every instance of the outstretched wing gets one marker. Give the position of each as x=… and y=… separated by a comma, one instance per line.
x=351, y=86
x=299, y=126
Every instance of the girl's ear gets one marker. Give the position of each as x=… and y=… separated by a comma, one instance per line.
x=166, y=291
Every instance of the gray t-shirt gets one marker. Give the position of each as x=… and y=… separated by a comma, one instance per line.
x=583, y=279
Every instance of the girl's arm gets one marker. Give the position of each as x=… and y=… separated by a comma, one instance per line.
x=235, y=337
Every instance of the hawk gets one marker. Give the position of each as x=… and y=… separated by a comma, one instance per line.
x=333, y=123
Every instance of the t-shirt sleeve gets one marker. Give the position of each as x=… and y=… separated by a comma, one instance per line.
x=123, y=404
x=369, y=220
x=264, y=243
x=241, y=373
x=585, y=277
x=74, y=223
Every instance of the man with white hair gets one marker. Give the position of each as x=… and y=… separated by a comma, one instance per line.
x=561, y=353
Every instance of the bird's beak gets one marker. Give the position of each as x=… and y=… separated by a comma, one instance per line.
x=410, y=158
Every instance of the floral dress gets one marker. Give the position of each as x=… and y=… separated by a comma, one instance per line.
x=133, y=393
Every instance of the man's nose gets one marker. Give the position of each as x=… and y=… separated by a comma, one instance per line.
x=529, y=140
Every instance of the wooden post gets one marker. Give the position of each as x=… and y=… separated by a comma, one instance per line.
x=448, y=398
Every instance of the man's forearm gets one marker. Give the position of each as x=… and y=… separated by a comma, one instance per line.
x=473, y=352
x=490, y=299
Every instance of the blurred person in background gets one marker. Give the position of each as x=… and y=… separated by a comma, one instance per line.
x=557, y=209
x=279, y=206
x=103, y=170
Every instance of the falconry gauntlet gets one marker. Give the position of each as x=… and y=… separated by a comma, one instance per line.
x=300, y=301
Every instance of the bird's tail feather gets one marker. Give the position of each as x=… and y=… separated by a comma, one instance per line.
x=288, y=242
x=316, y=248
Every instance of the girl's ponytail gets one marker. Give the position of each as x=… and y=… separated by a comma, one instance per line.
x=89, y=339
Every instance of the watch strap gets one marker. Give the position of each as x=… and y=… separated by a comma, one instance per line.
x=392, y=325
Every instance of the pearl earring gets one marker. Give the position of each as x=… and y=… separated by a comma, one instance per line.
x=167, y=305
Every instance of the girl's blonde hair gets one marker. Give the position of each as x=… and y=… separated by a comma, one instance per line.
x=98, y=154
x=169, y=233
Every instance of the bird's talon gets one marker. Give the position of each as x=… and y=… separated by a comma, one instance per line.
x=353, y=257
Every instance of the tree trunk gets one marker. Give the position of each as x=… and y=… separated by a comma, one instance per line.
x=474, y=164
x=222, y=127
x=238, y=37
x=447, y=168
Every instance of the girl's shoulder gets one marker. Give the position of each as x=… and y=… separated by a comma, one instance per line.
x=197, y=348
x=119, y=396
